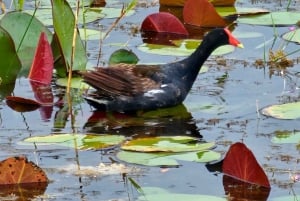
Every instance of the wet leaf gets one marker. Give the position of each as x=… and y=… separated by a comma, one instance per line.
x=228, y=11
x=147, y=159
x=293, y=36
x=18, y=170
x=167, y=158
x=64, y=22
x=91, y=34
x=286, y=137
x=166, y=144
x=9, y=60
x=202, y=13
x=42, y=66
x=76, y=82
x=163, y=22
x=88, y=141
x=159, y=194
x=20, y=104
x=283, y=111
x=16, y=24
x=123, y=56
x=241, y=164
x=275, y=18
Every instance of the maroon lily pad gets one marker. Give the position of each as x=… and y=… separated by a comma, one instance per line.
x=163, y=22
x=241, y=164
x=202, y=13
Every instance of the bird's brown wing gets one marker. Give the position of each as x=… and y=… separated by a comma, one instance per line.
x=122, y=79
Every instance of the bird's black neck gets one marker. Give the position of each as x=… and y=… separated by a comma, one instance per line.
x=193, y=63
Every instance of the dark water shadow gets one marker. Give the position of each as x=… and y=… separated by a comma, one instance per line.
x=162, y=122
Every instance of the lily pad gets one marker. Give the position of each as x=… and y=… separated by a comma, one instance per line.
x=283, y=111
x=293, y=36
x=17, y=24
x=158, y=194
x=76, y=82
x=88, y=141
x=167, y=159
x=270, y=19
x=186, y=48
x=166, y=144
x=286, y=137
x=123, y=56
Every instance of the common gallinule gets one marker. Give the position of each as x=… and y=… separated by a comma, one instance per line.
x=129, y=88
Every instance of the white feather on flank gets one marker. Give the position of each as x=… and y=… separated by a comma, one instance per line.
x=152, y=92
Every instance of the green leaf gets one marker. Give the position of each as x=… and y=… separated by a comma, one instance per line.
x=64, y=23
x=286, y=137
x=283, y=111
x=158, y=194
x=79, y=141
x=16, y=24
x=200, y=157
x=166, y=144
x=293, y=36
x=123, y=56
x=274, y=18
x=9, y=60
x=147, y=159
x=76, y=83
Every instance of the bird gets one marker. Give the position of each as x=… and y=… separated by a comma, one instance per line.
x=128, y=88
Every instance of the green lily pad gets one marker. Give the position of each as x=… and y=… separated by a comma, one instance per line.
x=230, y=10
x=91, y=34
x=275, y=18
x=283, y=111
x=166, y=144
x=293, y=36
x=16, y=24
x=186, y=48
x=76, y=83
x=286, y=137
x=147, y=159
x=159, y=194
x=83, y=142
x=123, y=56
x=167, y=159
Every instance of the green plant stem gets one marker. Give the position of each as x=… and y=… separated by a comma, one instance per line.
x=22, y=39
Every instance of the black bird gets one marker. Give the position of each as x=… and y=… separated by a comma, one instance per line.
x=129, y=88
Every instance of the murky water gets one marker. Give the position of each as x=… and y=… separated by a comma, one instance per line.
x=233, y=92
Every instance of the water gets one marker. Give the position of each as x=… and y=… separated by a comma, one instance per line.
x=222, y=107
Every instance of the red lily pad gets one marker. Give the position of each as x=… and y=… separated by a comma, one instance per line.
x=42, y=65
x=202, y=13
x=163, y=22
x=241, y=164
x=18, y=170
